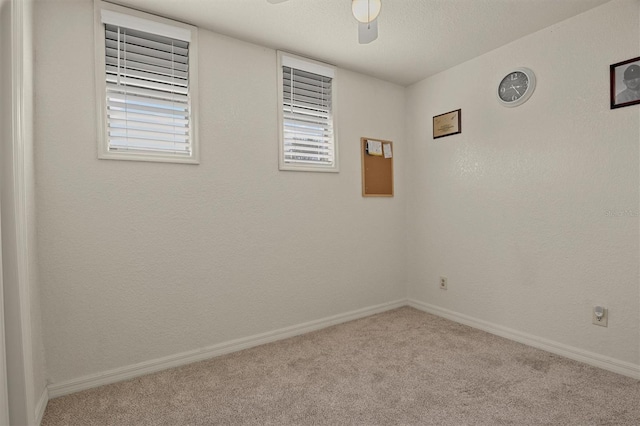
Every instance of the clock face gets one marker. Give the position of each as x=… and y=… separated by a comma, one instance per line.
x=516, y=87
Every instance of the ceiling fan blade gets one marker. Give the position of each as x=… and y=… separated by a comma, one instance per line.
x=276, y=1
x=367, y=32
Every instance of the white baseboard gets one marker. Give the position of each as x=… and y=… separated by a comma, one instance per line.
x=42, y=405
x=577, y=354
x=152, y=366
x=147, y=367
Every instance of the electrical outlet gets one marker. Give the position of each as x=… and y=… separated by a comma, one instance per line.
x=443, y=283
x=600, y=316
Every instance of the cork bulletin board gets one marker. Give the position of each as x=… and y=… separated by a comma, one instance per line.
x=377, y=167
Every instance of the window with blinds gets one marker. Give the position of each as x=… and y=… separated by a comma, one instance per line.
x=307, y=109
x=148, y=91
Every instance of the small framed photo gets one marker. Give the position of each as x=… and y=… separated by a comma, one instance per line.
x=447, y=124
x=625, y=83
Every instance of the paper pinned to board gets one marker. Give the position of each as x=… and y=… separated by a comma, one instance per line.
x=386, y=147
x=374, y=148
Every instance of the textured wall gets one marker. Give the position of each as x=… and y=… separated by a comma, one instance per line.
x=144, y=260
x=514, y=211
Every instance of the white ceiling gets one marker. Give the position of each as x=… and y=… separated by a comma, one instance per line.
x=417, y=38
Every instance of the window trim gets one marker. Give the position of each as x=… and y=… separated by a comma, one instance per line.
x=316, y=67
x=161, y=26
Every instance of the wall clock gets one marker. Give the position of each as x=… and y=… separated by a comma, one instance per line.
x=516, y=87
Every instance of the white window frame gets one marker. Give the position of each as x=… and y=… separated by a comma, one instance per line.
x=141, y=21
x=309, y=65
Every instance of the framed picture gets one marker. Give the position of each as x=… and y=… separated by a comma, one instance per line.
x=625, y=83
x=447, y=124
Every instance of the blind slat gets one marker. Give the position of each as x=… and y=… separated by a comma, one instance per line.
x=132, y=117
x=155, y=87
x=149, y=112
x=319, y=141
x=160, y=62
x=150, y=127
x=129, y=132
x=299, y=148
x=139, y=66
x=144, y=97
x=315, y=88
x=309, y=76
x=126, y=49
x=146, y=147
x=317, y=118
x=136, y=75
x=308, y=128
x=133, y=142
x=166, y=45
x=306, y=102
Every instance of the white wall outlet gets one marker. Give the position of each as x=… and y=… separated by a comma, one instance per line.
x=600, y=316
x=443, y=283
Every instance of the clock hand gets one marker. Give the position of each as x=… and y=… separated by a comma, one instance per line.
x=514, y=88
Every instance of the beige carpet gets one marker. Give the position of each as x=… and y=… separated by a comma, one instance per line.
x=401, y=367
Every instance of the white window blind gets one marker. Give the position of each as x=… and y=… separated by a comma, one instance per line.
x=147, y=92
x=307, y=108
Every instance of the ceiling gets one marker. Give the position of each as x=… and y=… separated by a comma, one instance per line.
x=417, y=38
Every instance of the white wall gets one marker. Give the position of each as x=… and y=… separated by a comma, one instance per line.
x=144, y=260
x=514, y=210
x=138, y=261
x=5, y=135
x=24, y=344
x=37, y=342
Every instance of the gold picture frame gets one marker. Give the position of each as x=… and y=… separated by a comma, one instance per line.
x=447, y=124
